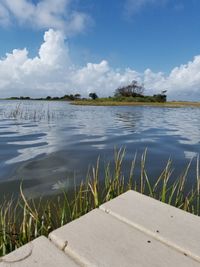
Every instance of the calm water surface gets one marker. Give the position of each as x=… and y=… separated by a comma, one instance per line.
x=47, y=144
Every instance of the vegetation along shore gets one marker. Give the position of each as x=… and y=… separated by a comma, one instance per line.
x=27, y=219
x=108, y=102
x=128, y=95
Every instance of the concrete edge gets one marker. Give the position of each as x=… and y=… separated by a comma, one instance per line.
x=152, y=234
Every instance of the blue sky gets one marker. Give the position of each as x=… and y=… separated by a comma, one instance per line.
x=105, y=44
x=156, y=36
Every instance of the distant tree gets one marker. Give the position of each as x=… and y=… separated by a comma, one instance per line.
x=48, y=97
x=71, y=97
x=93, y=96
x=160, y=98
x=64, y=97
x=13, y=98
x=133, y=89
x=77, y=96
x=55, y=98
x=24, y=98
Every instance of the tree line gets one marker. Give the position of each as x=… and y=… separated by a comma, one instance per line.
x=132, y=91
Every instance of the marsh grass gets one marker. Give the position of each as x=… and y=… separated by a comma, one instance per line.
x=25, y=220
x=31, y=113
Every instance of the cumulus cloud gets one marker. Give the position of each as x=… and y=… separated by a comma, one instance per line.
x=101, y=78
x=21, y=74
x=43, y=14
x=52, y=72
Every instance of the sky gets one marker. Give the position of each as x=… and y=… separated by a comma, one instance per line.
x=60, y=47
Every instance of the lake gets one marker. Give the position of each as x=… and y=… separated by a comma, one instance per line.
x=48, y=145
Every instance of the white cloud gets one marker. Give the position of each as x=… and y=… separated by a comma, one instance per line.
x=43, y=15
x=52, y=72
x=183, y=82
x=101, y=78
x=23, y=75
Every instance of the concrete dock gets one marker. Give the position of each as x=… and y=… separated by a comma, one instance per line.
x=128, y=231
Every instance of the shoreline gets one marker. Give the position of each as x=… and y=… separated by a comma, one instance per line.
x=173, y=104
x=102, y=102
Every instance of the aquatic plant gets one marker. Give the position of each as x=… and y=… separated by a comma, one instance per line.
x=25, y=220
x=32, y=112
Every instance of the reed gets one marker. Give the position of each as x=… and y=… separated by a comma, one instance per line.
x=35, y=113
x=25, y=220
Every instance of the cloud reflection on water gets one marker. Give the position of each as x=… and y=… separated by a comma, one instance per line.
x=79, y=131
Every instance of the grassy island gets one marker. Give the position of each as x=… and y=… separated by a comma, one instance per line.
x=115, y=102
x=133, y=95
x=128, y=95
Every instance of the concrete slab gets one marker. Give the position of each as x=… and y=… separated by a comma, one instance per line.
x=99, y=239
x=41, y=253
x=172, y=226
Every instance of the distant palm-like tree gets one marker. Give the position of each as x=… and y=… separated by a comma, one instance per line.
x=93, y=96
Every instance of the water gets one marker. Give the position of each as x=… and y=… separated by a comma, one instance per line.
x=48, y=144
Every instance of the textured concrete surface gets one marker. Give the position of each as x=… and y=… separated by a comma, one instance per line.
x=170, y=225
x=41, y=253
x=130, y=231
x=99, y=239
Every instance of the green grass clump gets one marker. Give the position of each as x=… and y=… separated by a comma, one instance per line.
x=25, y=220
